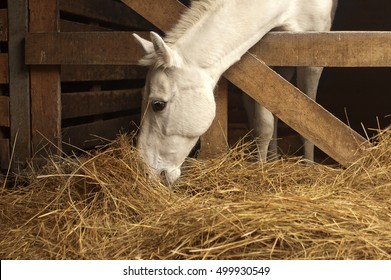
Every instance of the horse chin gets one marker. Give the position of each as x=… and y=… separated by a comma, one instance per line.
x=162, y=170
x=172, y=176
x=166, y=177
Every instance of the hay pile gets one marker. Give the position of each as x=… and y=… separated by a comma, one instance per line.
x=103, y=207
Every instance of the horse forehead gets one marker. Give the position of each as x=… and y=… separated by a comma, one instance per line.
x=177, y=79
x=161, y=80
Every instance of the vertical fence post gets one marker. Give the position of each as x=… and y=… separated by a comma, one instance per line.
x=215, y=140
x=45, y=84
x=19, y=83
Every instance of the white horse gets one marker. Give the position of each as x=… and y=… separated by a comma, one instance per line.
x=178, y=100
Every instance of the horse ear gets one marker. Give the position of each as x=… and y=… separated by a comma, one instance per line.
x=169, y=56
x=145, y=44
x=150, y=55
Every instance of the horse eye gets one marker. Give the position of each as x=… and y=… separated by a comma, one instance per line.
x=158, y=105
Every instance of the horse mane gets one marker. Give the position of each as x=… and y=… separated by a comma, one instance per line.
x=198, y=9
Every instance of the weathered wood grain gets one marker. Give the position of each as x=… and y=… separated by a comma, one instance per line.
x=81, y=104
x=4, y=111
x=162, y=16
x=72, y=26
x=214, y=141
x=82, y=73
x=4, y=70
x=110, y=12
x=5, y=154
x=19, y=83
x=89, y=135
x=45, y=84
x=329, y=49
x=94, y=48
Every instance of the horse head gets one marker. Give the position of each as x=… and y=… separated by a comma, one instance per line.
x=178, y=107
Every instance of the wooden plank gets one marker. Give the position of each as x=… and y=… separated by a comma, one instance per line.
x=82, y=48
x=111, y=12
x=45, y=84
x=296, y=109
x=81, y=104
x=4, y=70
x=162, y=16
x=241, y=74
x=5, y=154
x=337, y=49
x=4, y=111
x=19, y=83
x=329, y=49
x=75, y=73
x=89, y=135
x=3, y=25
x=215, y=141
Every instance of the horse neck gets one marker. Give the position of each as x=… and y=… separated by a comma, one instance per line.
x=224, y=32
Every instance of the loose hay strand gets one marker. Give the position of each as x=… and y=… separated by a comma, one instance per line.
x=230, y=207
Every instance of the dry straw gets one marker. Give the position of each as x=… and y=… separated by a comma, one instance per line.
x=104, y=207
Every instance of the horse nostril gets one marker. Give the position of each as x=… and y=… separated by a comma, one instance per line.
x=163, y=174
x=164, y=177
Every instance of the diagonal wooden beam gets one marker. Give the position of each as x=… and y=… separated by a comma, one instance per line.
x=296, y=109
x=162, y=14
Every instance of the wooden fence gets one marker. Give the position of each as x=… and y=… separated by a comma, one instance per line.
x=87, y=68
x=65, y=107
